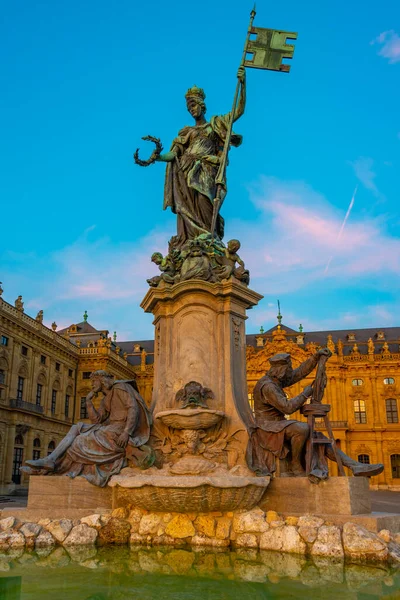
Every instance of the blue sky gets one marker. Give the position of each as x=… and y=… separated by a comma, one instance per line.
x=82, y=82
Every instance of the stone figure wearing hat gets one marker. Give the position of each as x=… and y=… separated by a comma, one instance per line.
x=276, y=437
x=193, y=163
x=118, y=433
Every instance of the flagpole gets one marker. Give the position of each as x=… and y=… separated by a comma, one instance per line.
x=220, y=179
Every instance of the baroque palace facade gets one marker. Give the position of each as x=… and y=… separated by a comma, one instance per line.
x=45, y=376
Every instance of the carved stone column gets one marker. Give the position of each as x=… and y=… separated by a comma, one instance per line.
x=200, y=336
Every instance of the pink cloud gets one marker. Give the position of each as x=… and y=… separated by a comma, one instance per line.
x=390, y=45
x=298, y=233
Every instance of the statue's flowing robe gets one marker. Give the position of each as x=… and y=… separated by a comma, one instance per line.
x=190, y=186
x=94, y=453
x=266, y=442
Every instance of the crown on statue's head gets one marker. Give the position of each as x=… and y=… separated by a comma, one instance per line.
x=196, y=93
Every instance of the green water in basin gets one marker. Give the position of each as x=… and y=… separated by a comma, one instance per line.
x=181, y=574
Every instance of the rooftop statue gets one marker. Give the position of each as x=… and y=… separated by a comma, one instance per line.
x=117, y=434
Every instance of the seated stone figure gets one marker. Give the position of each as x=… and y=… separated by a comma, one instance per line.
x=119, y=430
x=276, y=437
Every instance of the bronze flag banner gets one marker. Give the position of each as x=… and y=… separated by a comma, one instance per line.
x=269, y=48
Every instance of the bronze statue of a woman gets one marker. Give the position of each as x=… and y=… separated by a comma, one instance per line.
x=193, y=162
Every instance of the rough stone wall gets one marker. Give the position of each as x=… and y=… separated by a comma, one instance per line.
x=255, y=529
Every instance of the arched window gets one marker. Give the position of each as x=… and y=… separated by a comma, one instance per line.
x=36, y=449
x=392, y=415
x=389, y=381
x=360, y=415
x=51, y=447
x=357, y=382
x=19, y=440
x=395, y=464
x=364, y=459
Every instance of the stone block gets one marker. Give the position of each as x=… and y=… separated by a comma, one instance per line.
x=205, y=525
x=360, y=544
x=252, y=521
x=81, y=535
x=284, y=539
x=116, y=531
x=149, y=524
x=59, y=529
x=246, y=540
x=337, y=495
x=223, y=528
x=61, y=492
x=180, y=527
x=328, y=543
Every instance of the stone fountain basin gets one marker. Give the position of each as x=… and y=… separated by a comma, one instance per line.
x=168, y=493
x=190, y=418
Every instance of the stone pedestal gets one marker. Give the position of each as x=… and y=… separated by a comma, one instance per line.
x=200, y=336
x=61, y=493
x=336, y=496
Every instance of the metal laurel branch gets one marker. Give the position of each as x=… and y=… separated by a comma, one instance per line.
x=155, y=154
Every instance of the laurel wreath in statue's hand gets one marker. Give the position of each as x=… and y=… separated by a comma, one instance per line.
x=155, y=154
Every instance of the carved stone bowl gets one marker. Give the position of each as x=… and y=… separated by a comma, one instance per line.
x=189, y=494
x=190, y=418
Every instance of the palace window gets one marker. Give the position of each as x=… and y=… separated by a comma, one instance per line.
x=42, y=359
x=36, y=449
x=70, y=373
x=86, y=374
x=39, y=389
x=2, y=376
x=364, y=459
x=388, y=381
x=51, y=447
x=66, y=408
x=83, y=413
x=4, y=340
x=20, y=388
x=392, y=415
x=360, y=414
x=53, y=401
x=357, y=382
x=57, y=366
x=395, y=464
x=24, y=351
x=17, y=459
x=251, y=400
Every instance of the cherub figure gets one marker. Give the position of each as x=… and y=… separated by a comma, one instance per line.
x=166, y=267
x=228, y=264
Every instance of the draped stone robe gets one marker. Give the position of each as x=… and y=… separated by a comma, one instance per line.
x=190, y=186
x=94, y=453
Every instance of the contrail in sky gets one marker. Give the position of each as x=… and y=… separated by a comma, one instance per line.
x=343, y=225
